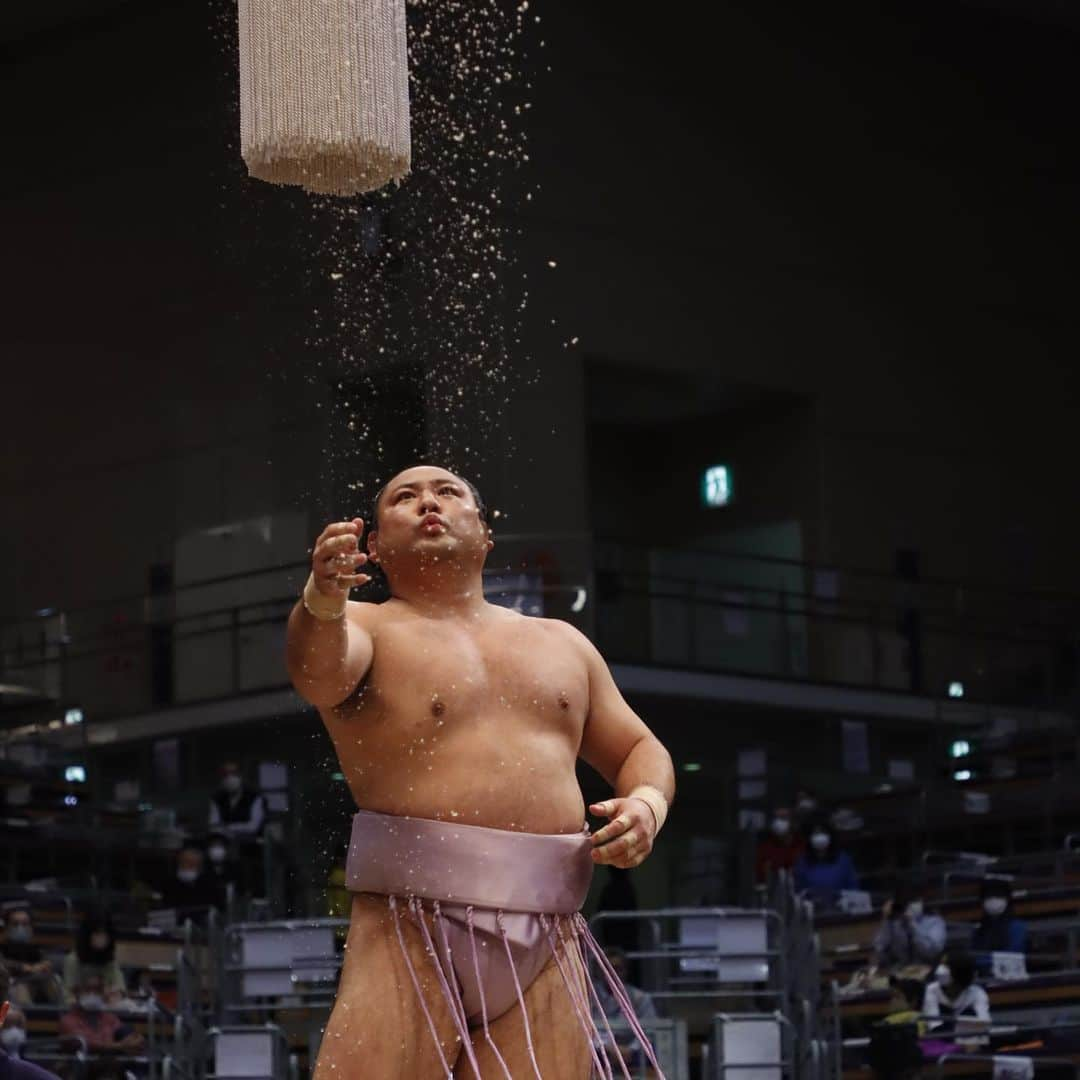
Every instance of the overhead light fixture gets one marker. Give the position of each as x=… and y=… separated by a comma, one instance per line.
x=692, y=766
x=960, y=748
x=962, y=774
x=956, y=689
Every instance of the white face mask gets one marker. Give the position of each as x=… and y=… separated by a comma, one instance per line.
x=820, y=841
x=943, y=975
x=91, y=1002
x=915, y=909
x=187, y=876
x=217, y=853
x=781, y=826
x=807, y=805
x=12, y=1038
x=995, y=905
x=232, y=783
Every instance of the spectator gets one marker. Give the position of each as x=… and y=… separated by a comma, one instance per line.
x=33, y=981
x=822, y=871
x=956, y=993
x=999, y=930
x=191, y=891
x=630, y=1049
x=13, y=1032
x=909, y=934
x=222, y=868
x=235, y=810
x=780, y=850
x=94, y=952
x=806, y=806
x=90, y=1027
x=11, y=1065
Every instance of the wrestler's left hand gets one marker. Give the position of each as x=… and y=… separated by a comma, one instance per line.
x=627, y=839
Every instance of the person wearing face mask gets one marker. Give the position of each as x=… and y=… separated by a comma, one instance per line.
x=220, y=863
x=90, y=1026
x=822, y=871
x=909, y=934
x=33, y=979
x=955, y=993
x=781, y=848
x=13, y=1039
x=234, y=809
x=13, y=1032
x=806, y=806
x=191, y=891
x=999, y=930
x=94, y=953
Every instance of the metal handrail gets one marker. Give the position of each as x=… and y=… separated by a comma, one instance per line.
x=990, y=1058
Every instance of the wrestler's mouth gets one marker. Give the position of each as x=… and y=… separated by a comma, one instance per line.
x=432, y=521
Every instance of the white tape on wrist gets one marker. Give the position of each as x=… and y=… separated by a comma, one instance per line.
x=654, y=799
x=323, y=608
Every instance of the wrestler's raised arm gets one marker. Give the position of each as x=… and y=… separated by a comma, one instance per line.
x=328, y=648
x=618, y=744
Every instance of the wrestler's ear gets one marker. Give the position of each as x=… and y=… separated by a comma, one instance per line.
x=373, y=546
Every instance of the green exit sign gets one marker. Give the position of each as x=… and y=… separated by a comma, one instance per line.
x=716, y=485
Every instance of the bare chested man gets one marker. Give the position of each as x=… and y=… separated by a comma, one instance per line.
x=458, y=724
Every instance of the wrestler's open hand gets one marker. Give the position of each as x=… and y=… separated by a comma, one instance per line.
x=627, y=839
x=337, y=556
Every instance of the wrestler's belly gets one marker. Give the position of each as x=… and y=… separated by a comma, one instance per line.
x=528, y=785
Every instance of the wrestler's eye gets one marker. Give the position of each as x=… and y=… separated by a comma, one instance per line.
x=453, y=491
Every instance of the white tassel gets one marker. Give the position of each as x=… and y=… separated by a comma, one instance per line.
x=324, y=93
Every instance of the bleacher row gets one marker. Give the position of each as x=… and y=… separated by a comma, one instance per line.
x=166, y=956
x=1034, y=1003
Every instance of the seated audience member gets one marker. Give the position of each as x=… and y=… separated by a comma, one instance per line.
x=33, y=981
x=221, y=862
x=909, y=934
x=12, y=1023
x=806, y=807
x=191, y=890
x=91, y=1027
x=999, y=930
x=781, y=848
x=94, y=953
x=956, y=993
x=628, y=1046
x=822, y=871
x=13, y=1032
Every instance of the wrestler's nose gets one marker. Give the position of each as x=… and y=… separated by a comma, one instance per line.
x=428, y=504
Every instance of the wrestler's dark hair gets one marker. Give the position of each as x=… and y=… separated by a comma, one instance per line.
x=373, y=521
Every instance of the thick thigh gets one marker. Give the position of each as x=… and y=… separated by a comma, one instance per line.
x=562, y=1051
x=377, y=1027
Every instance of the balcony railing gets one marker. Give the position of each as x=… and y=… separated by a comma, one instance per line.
x=704, y=611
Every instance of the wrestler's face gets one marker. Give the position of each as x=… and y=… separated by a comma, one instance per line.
x=428, y=511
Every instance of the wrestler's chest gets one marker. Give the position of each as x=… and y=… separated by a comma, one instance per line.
x=510, y=673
